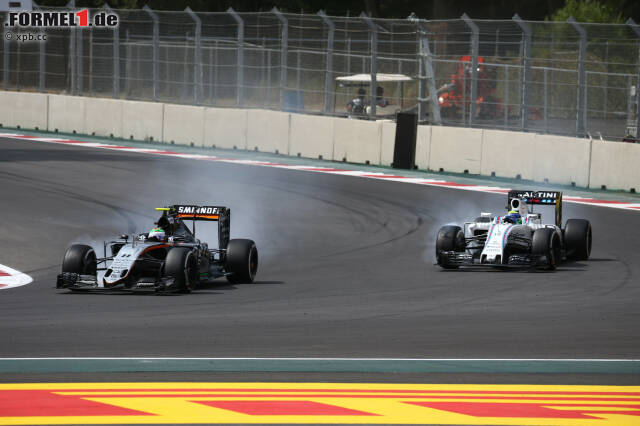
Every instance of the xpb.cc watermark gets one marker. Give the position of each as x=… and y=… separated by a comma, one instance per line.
x=17, y=21
x=47, y=19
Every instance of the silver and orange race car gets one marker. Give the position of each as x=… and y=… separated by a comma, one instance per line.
x=175, y=262
x=517, y=239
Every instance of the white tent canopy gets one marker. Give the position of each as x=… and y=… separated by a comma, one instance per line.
x=380, y=78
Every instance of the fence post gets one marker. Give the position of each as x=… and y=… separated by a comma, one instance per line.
x=185, y=68
x=91, y=60
x=210, y=80
x=197, y=71
x=430, y=76
x=348, y=41
x=546, y=103
x=284, y=44
x=606, y=79
x=328, y=78
x=240, y=57
x=41, y=76
x=80, y=62
x=72, y=53
x=526, y=80
x=374, y=64
x=399, y=85
x=127, y=66
x=636, y=29
x=475, y=41
x=5, y=64
x=426, y=76
x=263, y=68
x=18, y=61
x=582, y=78
x=116, y=57
x=268, y=95
x=156, y=42
x=298, y=82
x=216, y=72
x=506, y=97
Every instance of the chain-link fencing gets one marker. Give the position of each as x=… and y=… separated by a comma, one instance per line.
x=549, y=77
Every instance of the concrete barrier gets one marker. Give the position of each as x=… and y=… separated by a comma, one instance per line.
x=142, y=120
x=554, y=159
x=561, y=159
x=103, y=117
x=66, y=114
x=387, y=142
x=225, y=128
x=423, y=147
x=615, y=165
x=183, y=124
x=507, y=154
x=311, y=136
x=268, y=131
x=456, y=149
x=24, y=110
x=357, y=141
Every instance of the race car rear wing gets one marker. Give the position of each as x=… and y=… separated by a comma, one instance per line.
x=543, y=198
x=219, y=214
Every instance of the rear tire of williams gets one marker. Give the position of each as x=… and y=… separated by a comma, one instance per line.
x=450, y=238
x=181, y=265
x=242, y=261
x=578, y=239
x=80, y=259
x=546, y=242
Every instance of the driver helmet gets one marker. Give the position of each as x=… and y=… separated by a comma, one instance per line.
x=157, y=233
x=513, y=217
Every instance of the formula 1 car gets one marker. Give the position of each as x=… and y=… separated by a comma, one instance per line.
x=518, y=239
x=176, y=262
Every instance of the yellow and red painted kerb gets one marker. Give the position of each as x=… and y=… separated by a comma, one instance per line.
x=176, y=403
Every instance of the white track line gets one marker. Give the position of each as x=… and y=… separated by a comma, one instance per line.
x=325, y=359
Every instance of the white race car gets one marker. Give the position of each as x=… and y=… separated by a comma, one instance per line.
x=517, y=239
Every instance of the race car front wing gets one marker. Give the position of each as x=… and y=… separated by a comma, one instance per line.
x=455, y=258
x=78, y=282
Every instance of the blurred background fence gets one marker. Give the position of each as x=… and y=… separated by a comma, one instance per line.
x=549, y=77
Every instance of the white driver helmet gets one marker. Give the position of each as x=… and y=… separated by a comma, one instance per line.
x=157, y=233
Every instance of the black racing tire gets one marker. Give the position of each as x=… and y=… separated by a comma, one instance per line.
x=450, y=238
x=181, y=264
x=546, y=242
x=578, y=239
x=241, y=261
x=80, y=259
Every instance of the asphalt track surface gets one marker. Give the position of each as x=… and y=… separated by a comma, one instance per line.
x=346, y=270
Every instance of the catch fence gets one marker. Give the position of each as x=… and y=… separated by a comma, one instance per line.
x=564, y=78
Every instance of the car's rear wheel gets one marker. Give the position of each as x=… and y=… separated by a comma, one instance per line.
x=450, y=238
x=546, y=243
x=242, y=261
x=181, y=264
x=578, y=239
x=80, y=259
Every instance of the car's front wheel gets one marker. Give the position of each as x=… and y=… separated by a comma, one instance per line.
x=546, y=243
x=80, y=259
x=450, y=238
x=181, y=265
